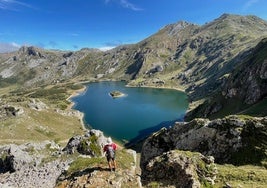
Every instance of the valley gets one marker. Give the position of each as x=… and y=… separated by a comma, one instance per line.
x=221, y=66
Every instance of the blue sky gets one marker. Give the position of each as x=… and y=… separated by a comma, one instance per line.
x=103, y=24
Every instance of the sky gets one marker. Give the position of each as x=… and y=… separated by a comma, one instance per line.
x=104, y=24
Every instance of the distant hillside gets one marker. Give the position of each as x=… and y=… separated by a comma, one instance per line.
x=193, y=58
x=32, y=66
x=242, y=91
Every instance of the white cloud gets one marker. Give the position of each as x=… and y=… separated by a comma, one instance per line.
x=12, y=5
x=125, y=4
x=9, y=47
x=249, y=3
x=106, y=48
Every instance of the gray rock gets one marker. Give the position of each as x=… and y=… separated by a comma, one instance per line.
x=72, y=145
x=15, y=158
x=37, y=105
x=82, y=144
x=220, y=138
x=179, y=169
x=27, y=167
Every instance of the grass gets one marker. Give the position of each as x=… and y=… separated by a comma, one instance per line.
x=241, y=176
x=38, y=126
x=35, y=125
x=258, y=109
x=123, y=158
x=90, y=144
x=81, y=164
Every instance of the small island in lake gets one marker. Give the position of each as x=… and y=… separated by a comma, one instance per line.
x=116, y=94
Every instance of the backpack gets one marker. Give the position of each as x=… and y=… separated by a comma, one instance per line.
x=110, y=152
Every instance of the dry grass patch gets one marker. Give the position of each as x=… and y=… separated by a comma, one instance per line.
x=38, y=126
x=242, y=176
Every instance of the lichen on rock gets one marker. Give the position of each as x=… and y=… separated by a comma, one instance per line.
x=180, y=169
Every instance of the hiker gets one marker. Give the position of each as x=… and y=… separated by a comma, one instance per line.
x=110, y=149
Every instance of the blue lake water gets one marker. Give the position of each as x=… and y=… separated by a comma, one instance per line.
x=140, y=112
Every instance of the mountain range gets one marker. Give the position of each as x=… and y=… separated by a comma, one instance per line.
x=215, y=64
x=221, y=66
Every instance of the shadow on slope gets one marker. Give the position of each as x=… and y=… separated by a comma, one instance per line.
x=137, y=142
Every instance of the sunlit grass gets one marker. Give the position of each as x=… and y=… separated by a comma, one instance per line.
x=241, y=176
x=38, y=126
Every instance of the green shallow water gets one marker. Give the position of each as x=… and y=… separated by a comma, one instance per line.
x=140, y=112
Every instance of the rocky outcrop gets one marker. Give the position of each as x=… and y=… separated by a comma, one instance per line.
x=249, y=82
x=99, y=175
x=28, y=165
x=31, y=51
x=116, y=94
x=90, y=143
x=14, y=158
x=246, y=85
x=226, y=139
x=180, y=169
x=40, y=164
x=37, y=105
x=7, y=111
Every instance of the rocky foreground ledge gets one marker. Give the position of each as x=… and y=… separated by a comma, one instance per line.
x=238, y=140
x=184, y=155
x=26, y=166
x=47, y=164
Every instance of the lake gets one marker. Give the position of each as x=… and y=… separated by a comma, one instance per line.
x=137, y=114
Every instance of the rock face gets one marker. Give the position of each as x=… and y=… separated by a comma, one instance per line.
x=179, y=169
x=7, y=111
x=37, y=105
x=250, y=83
x=230, y=139
x=40, y=164
x=89, y=144
x=245, y=85
x=23, y=166
x=15, y=159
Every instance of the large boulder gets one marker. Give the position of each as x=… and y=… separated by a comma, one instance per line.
x=14, y=158
x=7, y=111
x=180, y=169
x=91, y=143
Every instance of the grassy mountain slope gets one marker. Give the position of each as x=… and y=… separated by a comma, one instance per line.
x=193, y=58
x=220, y=65
x=242, y=91
x=197, y=59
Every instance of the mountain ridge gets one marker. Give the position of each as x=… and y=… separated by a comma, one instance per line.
x=183, y=55
x=221, y=66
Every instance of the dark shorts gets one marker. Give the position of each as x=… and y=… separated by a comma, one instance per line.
x=110, y=158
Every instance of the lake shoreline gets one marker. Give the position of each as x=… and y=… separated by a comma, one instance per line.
x=71, y=105
x=84, y=89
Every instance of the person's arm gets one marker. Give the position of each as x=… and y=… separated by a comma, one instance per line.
x=114, y=146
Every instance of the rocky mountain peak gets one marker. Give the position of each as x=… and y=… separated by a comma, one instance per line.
x=30, y=51
x=174, y=29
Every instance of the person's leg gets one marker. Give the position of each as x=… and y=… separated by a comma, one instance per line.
x=114, y=164
x=109, y=163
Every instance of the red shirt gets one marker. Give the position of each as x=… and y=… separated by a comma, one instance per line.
x=114, y=146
